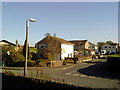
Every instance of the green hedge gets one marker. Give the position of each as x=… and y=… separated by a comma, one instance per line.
x=113, y=64
x=19, y=82
x=22, y=63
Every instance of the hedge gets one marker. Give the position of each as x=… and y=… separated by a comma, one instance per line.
x=113, y=64
x=19, y=82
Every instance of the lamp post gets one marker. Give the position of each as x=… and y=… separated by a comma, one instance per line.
x=27, y=28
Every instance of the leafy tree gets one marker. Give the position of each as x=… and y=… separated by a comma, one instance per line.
x=109, y=42
x=24, y=50
x=47, y=34
x=99, y=44
x=53, y=46
x=13, y=57
x=48, y=56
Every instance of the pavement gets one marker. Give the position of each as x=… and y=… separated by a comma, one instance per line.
x=89, y=73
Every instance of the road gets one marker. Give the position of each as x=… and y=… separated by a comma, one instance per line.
x=90, y=74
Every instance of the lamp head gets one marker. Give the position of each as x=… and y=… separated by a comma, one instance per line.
x=32, y=20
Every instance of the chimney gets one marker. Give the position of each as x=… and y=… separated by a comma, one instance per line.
x=16, y=43
x=16, y=48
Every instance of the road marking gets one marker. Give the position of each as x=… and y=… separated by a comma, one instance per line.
x=83, y=76
x=75, y=74
x=91, y=77
x=67, y=73
x=0, y=70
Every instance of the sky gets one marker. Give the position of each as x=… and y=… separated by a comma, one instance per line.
x=92, y=21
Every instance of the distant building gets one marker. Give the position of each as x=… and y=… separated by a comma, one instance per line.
x=110, y=48
x=7, y=43
x=63, y=47
x=93, y=47
x=82, y=46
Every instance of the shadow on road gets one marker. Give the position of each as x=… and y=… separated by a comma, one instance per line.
x=99, y=70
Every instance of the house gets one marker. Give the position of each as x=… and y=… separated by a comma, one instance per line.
x=110, y=48
x=93, y=47
x=82, y=46
x=60, y=48
x=7, y=43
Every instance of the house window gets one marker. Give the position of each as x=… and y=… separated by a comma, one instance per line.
x=75, y=47
x=42, y=46
x=109, y=47
x=71, y=54
x=105, y=46
x=113, y=47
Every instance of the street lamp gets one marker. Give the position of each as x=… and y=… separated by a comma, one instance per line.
x=27, y=27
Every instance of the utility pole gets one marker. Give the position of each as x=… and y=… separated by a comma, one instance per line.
x=27, y=27
x=26, y=53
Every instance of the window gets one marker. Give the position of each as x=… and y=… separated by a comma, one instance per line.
x=42, y=46
x=109, y=47
x=105, y=46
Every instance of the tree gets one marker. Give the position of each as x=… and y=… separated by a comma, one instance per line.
x=53, y=46
x=47, y=34
x=13, y=57
x=24, y=50
x=109, y=42
x=99, y=44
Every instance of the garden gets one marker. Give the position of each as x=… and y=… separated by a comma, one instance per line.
x=13, y=58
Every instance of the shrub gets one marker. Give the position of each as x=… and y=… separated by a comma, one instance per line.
x=15, y=56
x=31, y=63
x=113, y=63
x=64, y=62
x=48, y=56
x=41, y=62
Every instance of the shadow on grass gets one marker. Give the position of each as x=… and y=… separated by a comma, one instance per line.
x=101, y=70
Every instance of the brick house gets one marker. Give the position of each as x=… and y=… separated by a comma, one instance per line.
x=60, y=47
x=81, y=46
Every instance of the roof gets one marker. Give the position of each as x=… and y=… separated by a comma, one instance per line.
x=113, y=44
x=8, y=42
x=89, y=50
x=60, y=40
x=92, y=44
x=76, y=42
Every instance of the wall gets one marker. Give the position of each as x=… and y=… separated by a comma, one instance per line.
x=66, y=49
x=87, y=45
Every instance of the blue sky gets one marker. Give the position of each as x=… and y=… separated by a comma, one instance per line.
x=94, y=21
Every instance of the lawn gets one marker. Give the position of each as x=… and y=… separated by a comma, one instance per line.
x=33, y=50
x=117, y=55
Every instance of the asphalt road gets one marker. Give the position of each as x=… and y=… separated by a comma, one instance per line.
x=90, y=74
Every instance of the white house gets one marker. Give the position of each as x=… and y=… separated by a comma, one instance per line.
x=93, y=47
x=60, y=47
x=110, y=48
x=67, y=50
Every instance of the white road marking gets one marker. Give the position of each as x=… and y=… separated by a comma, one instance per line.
x=67, y=73
x=75, y=74
x=83, y=76
x=0, y=70
x=91, y=77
